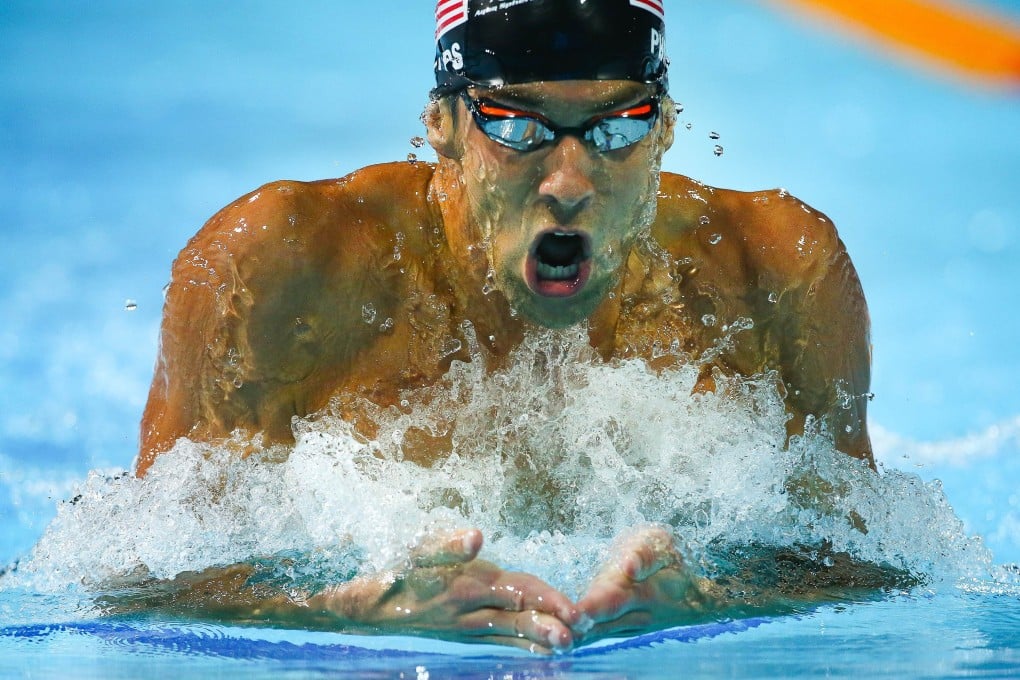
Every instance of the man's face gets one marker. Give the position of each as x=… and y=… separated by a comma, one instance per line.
x=558, y=222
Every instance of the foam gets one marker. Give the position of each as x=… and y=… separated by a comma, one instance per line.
x=609, y=446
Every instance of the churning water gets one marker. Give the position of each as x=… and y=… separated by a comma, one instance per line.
x=551, y=458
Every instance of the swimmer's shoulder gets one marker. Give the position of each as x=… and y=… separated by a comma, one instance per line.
x=348, y=222
x=770, y=235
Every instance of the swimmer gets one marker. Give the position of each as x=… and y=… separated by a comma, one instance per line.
x=546, y=209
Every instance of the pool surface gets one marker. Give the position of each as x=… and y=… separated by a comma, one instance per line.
x=124, y=126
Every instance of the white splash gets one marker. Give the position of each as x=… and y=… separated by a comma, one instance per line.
x=551, y=459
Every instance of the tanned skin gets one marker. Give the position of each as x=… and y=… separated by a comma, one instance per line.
x=300, y=293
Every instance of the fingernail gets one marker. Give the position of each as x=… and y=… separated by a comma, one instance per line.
x=556, y=640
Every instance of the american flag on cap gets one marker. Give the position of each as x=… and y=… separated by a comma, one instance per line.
x=653, y=6
x=451, y=14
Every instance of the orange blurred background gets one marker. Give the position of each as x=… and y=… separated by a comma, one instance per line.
x=962, y=40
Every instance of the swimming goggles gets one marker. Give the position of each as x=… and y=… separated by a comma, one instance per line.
x=524, y=131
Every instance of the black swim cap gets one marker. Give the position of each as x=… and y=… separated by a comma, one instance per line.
x=499, y=42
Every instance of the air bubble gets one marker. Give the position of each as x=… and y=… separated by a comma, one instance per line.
x=386, y=326
x=709, y=320
x=713, y=135
x=773, y=297
x=412, y=158
x=715, y=239
x=130, y=305
x=704, y=219
x=718, y=151
x=417, y=142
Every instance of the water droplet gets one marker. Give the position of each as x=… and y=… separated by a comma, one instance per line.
x=713, y=135
x=386, y=326
x=773, y=297
x=412, y=158
x=709, y=320
x=238, y=383
x=417, y=142
x=679, y=107
x=703, y=220
x=368, y=313
x=131, y=305
x=718, y=150
x=490, y=282
x=449, y=347
x=714, y=239
x=689, y=126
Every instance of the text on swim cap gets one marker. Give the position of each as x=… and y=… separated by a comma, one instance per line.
x=657, y=47
x=452, y=58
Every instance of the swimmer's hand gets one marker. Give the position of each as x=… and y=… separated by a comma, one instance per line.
x=645, y=585
x=448, y=593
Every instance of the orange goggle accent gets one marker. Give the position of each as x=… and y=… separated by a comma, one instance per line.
x=527, y=131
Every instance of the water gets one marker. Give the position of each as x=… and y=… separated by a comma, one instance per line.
x=123, y=127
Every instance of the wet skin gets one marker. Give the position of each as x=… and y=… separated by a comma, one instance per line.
x=348, y=289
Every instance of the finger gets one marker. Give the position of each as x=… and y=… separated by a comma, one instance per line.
x=515, y=591
x=447, y=547
x=646, y=552
x=609, y=596
x=528, y=628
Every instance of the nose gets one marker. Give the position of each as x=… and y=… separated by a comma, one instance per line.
x=567, y=187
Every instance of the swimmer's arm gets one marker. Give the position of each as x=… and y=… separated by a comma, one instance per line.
x=826, y=354
x=258, y=309
x=446, y=593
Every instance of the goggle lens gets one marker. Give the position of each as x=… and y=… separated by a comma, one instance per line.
x=522, y=132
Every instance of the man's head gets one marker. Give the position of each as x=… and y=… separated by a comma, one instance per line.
x=553, y=114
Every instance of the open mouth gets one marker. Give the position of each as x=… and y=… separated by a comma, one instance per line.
x=559, y=263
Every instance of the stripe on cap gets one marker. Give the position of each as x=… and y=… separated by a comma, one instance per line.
x=653, y=6
x=450, y=14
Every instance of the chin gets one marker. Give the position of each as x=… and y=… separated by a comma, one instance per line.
x=557, y=312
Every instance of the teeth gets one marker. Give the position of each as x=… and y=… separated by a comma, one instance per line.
x=552, y=273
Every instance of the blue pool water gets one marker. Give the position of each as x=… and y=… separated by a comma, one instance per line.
x=123, y=126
